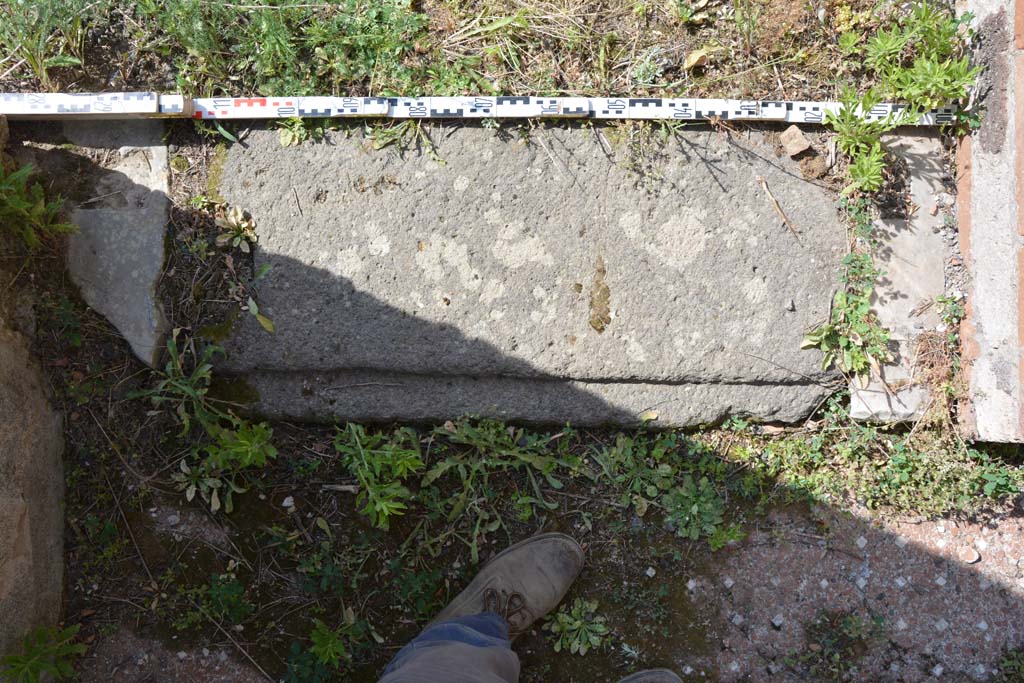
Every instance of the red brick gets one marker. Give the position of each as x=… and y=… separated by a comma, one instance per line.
x=1018, y=24
x=1020, y=329
x=1018, y=136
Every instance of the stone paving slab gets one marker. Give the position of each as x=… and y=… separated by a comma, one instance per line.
x=114, y=178
x=990, y=189
x=912, y=256
x=533, y=272
x=116, y=257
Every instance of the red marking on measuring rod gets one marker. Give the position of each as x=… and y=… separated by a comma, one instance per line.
x=152, y=105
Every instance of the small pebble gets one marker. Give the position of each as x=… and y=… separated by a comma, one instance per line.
x=861, y=582
x=937, y=670
x=735, y=666
x=901, y=542
x=650, y=572
x=737, y=619
x=691, y=585
x=173, y=520
x=728, y=583
x=940, y=580
x=824, y=584
x=687, y=670
x=862, y=543
x=288, y=502
x=182, y=656
x=969, y=555
x=941, y=625
x=900, y=582
x=901, y=625
x=778, y=620
x=982, y=625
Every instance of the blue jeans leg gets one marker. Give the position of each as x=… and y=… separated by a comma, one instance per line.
x=470, y=649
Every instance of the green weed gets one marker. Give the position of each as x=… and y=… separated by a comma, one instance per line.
x=26, y=214
x=836, y=642
x=658, y=470
x=238, y=229
x=47, y=35
x=852, y=339
x=578, y=628
x=895, y=472
x=1011, y=667
x=47, y=653
x=224, y=598
x=917, y=60
x=184, y=382
x=304, y=667
x=747, y=15
x=295, y=131
x=287, y=47
x=234, y=445
x=403, y=136
x=380, y=464
x=329, y=645
x=421, y=591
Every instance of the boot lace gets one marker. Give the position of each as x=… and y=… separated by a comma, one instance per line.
x=506, y=604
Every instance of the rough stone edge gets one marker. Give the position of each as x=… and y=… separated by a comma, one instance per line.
x=971, y=424
x=386, y=397
x=53, y=544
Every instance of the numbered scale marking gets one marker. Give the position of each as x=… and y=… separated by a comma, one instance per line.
x=151, y=105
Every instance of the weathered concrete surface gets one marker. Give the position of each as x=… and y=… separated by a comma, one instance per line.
x=117, y=255
x=911, y=254
x=31, y=490
x=532, y=280
x=990, y=189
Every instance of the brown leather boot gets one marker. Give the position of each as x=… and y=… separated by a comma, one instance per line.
x=521, y=583
x=652, y=676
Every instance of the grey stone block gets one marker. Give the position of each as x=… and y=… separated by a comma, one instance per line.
x=31, y=495
x=117, y=255
x=533, y=279
x=989, y=200
x=912, y=256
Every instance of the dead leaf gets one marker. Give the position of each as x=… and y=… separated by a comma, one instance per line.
x=649, y=416
x=695, y=59
x=265, y=322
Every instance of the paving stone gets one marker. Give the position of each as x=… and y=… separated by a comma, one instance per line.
x=31, y=497
x=117, y=255
x=911, y=255
x=539, y=282
x=990, y=194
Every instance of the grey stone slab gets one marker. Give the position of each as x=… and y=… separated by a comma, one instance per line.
x=384, y=396
x=990, y=239
x=911, y=255
x=117, y=255
x=527, y=262
x=31, y=497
